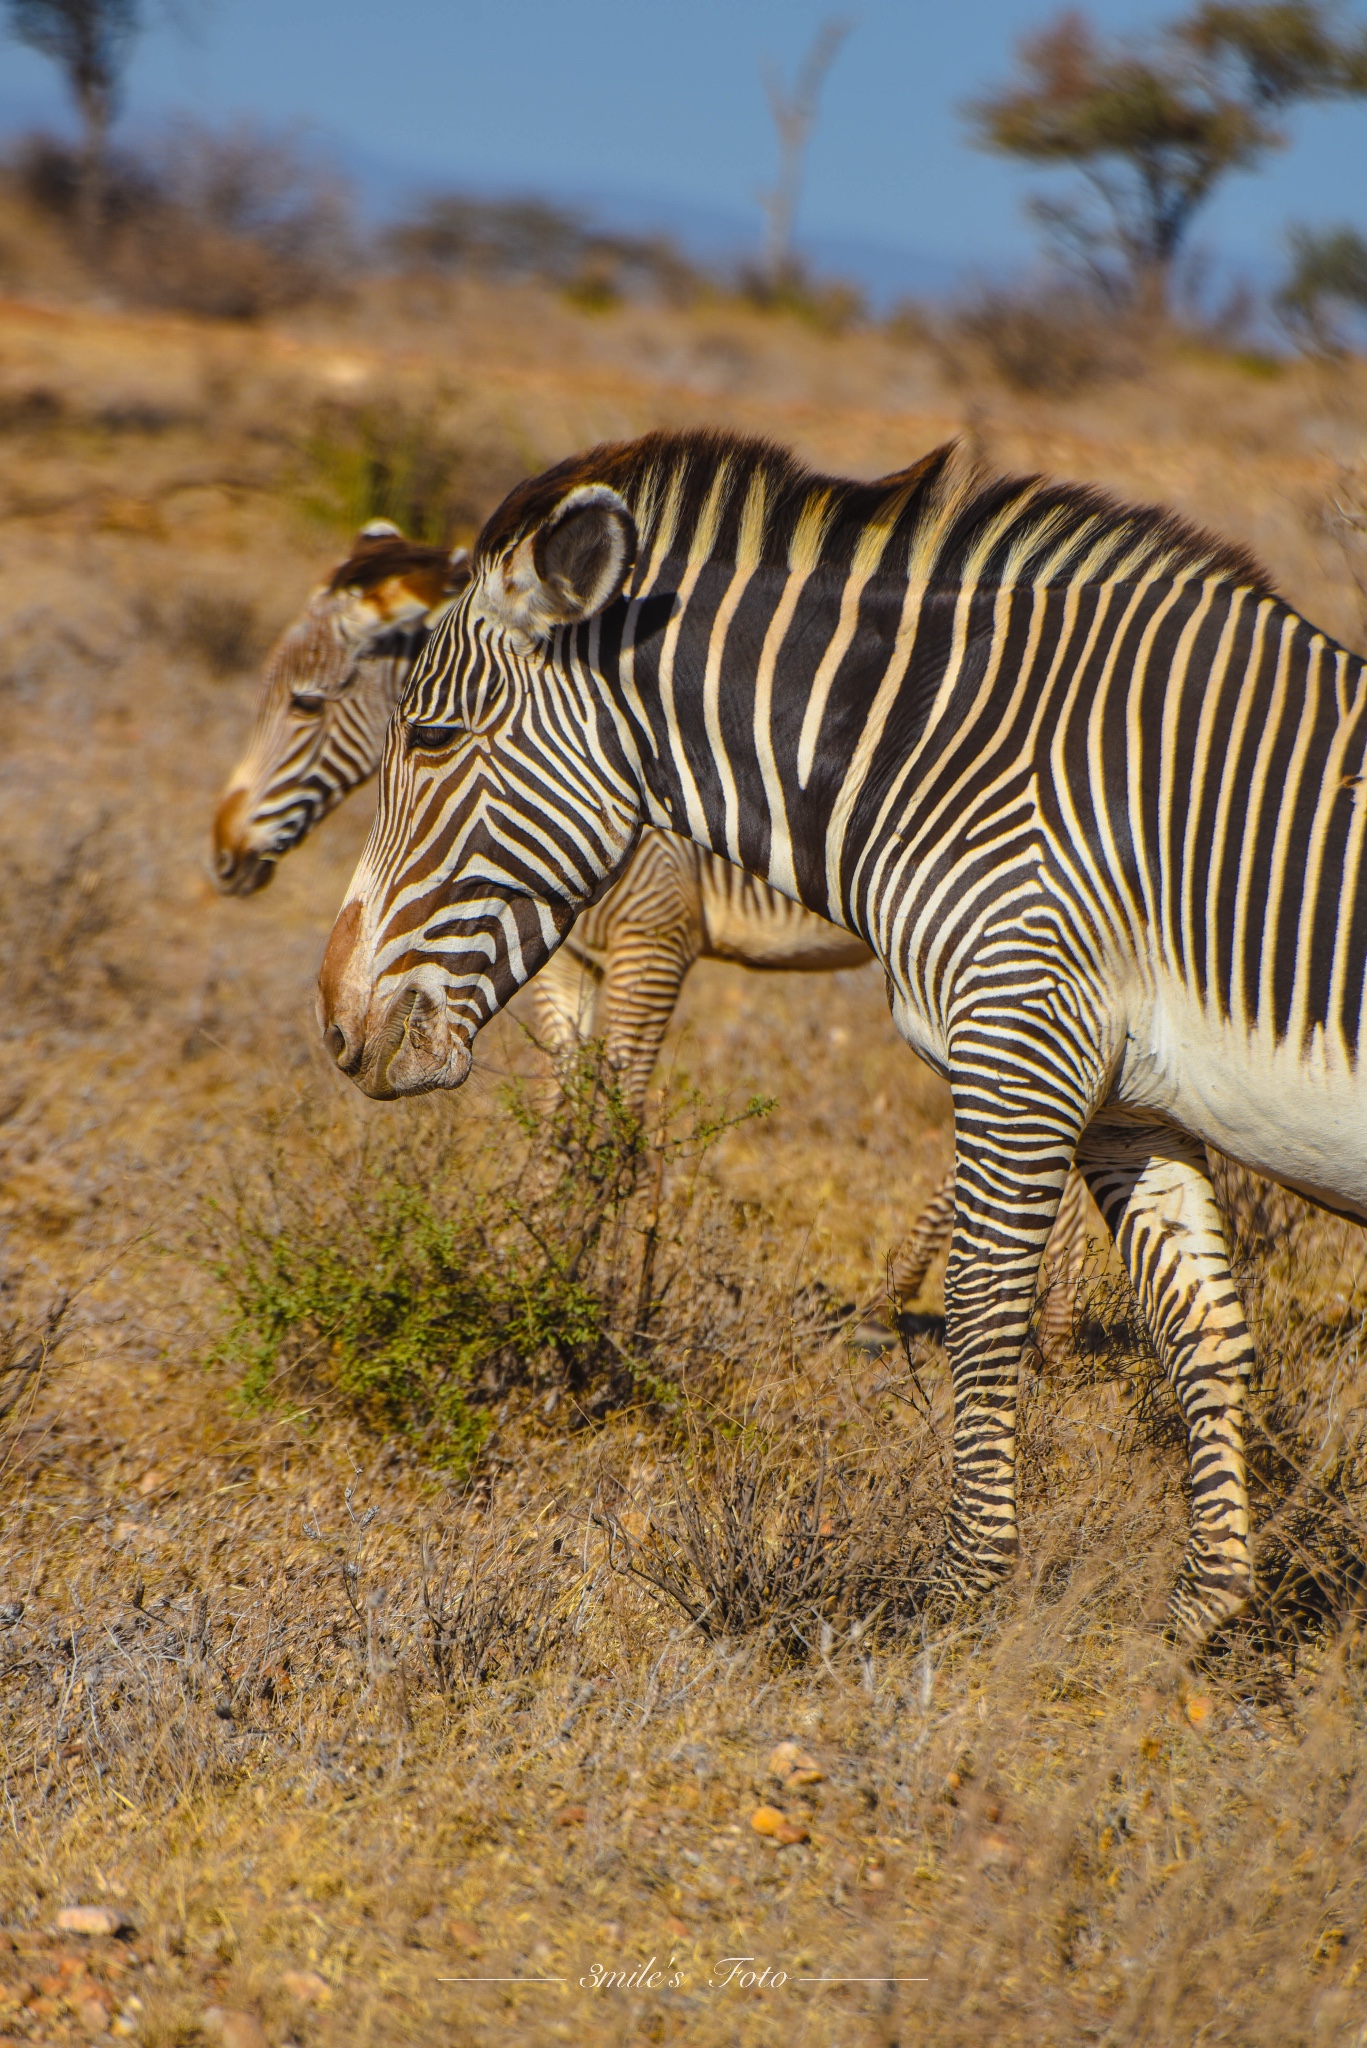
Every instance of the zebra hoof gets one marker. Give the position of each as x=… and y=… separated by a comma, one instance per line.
x=1199, y=1608
x=870, y=1337
x=958, y=1577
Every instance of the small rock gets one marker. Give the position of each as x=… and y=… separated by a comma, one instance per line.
x=234, y=2029
x=93, y=2014
x=1198, y=1709
x=770, y=1821
x=466, y=1935
x=571, y=1816
x=307, y=1986
x=93, y=1920
x=122, y=2027
x=11, y=1613
x=791, y=1765
x=677, y=1929
x=995, y=1851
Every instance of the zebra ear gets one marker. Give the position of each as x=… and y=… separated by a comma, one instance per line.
x=458, y=570
x=573, y=565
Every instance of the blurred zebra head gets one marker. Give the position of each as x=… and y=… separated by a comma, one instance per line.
x=509, y=797
x=327, y=690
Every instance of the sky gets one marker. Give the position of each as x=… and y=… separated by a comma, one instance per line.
x=656, y=108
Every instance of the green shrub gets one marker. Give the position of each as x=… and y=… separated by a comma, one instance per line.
x=385, y=460
x=418, y=1277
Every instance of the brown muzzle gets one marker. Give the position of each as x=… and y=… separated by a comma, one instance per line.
x=237, y=870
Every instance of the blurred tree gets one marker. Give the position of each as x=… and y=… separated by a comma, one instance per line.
x=1154, y=127
x=531, y=238
x=794, y=110
x=1327, y=288
x=90, y=41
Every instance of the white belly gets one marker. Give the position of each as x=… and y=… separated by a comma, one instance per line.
x=1298, y=1115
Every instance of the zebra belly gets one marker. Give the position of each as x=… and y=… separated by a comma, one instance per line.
x=803, y=941
x=1298, y=1115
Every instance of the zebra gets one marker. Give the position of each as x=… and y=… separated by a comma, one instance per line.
x=1092, y=793
x=328, y=688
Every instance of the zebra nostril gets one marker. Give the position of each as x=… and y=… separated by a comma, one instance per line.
x=334, y=1038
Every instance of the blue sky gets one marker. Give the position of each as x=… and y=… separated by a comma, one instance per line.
x=658, y=103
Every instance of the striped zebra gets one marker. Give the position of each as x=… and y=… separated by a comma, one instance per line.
x=328, y=689
x=1090, y=791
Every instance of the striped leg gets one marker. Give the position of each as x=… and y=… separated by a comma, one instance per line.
x=928, y=1233
x=1064, y=1258
x=563, y=996
x=645, y=972
x=1151, y=1184
x=1011, y=1164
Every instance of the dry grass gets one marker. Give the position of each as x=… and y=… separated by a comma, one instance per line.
x=334, y=1720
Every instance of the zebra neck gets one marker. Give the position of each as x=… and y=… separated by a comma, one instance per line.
x=759, y=760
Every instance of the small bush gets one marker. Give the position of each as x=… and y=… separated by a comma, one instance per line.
x=64, y=928
x=767, y=1532
x=831, y=305
x=232, y=224
x=1323, y=303
x=420, y=1281
x=529, y=239
x=387, y=460
x=1047, y=342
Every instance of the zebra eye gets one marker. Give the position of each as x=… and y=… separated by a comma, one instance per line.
x=433, y=739
x=307, y=700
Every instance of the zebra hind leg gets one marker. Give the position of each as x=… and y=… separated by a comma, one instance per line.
x=1152, y=1186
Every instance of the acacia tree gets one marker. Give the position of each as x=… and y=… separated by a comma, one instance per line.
x=1324, y=299
x=1153, y=127
x=90, y=41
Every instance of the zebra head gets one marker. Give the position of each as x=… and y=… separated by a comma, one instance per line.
x=327, y=690
x=508, y=797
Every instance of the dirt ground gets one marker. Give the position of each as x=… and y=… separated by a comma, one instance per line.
x=358, y=1746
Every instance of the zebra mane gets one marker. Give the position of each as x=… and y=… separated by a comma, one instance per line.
x=377, y=557
x=730, y=496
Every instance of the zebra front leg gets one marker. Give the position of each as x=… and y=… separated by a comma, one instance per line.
x=927, y=1234
x=563, y=996
x=1008, y=1182
x=1153, y=1188
x=644, y=973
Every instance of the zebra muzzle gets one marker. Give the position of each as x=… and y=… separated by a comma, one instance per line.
x=415, y=1049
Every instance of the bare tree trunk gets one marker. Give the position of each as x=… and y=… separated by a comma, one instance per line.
x=91, y=202
x=794, y=118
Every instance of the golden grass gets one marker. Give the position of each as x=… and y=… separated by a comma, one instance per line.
x=333, y=1728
